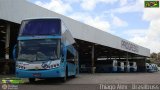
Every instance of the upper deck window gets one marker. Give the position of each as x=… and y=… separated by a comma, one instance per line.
x=40, y=27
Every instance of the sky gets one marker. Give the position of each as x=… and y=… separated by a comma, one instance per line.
x=128, y=19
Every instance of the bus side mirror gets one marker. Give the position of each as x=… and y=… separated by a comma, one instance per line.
x=15, y=52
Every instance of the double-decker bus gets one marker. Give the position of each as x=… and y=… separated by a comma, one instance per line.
x=45, y=49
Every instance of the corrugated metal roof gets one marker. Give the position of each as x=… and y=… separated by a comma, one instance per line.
x=18, y=10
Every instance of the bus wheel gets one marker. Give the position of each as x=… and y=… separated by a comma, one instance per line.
x=65, y=76
x=32, y=80
x=74, y=76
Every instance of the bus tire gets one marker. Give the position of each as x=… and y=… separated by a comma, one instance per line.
x=74, y=76
x=65, y=76
x=32, y=80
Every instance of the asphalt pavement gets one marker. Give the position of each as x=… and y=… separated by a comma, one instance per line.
x=90, y=81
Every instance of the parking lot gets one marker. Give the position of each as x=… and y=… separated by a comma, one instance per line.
x=111, y=78
x=91, y=81
x=125, y=78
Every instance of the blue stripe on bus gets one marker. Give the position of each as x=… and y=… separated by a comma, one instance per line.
x=38, y=37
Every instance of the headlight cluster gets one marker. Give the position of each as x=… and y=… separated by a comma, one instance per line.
x=54, y=65
x=20, y=67
x=46, y=66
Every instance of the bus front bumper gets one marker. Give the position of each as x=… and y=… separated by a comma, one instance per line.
x=51, y=73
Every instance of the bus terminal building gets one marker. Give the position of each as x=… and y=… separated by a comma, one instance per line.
x=95, y=47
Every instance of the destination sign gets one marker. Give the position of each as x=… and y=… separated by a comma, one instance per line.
x=129, y=46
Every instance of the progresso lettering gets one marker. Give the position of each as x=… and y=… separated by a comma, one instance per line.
x=129, y=46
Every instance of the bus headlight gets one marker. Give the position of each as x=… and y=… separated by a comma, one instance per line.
x=54, y=65
x=20, y=67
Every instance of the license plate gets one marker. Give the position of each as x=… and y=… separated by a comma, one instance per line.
x=36, y=74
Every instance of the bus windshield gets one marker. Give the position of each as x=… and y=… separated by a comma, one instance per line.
x=40, y=27
x=37, y=50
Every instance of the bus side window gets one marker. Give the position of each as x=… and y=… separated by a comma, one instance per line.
x=62, y=53
x=70, y=57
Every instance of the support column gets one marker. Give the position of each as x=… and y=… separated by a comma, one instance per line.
x=127, y=63
x=93, y=58
x=142, y=67
x=7, y=41
x=127, y=56
x=145, y=65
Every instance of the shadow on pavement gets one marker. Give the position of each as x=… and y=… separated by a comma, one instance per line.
x=49, y=81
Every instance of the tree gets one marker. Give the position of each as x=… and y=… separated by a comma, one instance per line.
x=153, y=56
x=158, y=57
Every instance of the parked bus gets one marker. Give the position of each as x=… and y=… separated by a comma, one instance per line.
x=148, y=67
x=133, y=66
x=114, y=66
x=126, y=66
x=105, y=66
x=45, y=49
x=120, y=66
x=154, y=68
